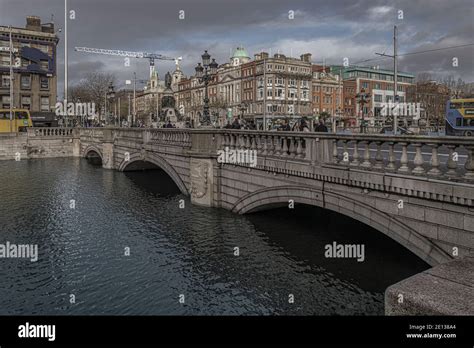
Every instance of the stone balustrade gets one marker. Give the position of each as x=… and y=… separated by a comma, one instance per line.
x=50, y=131
x=410, y=155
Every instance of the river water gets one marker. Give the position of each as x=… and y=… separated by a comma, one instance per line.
x=175, y=253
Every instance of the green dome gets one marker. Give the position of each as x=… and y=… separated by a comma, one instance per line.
x=240, y=52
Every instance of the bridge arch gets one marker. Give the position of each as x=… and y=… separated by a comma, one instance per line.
x=348, y=206
x=92, y=148
x=160, y=162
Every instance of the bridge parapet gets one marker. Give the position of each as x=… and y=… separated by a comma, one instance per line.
x=374, y=162
x=50, y=132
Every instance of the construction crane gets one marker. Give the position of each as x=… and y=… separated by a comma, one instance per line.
x=130, y=54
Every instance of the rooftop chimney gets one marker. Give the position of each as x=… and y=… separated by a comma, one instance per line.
x=261, y=55
x=306, y=57
x=33, y=23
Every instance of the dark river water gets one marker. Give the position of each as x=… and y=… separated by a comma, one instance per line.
x=175, y=251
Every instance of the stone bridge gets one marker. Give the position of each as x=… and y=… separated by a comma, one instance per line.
x=417, y=190
x=386, y=182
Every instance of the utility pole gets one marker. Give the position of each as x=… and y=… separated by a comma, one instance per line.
x=105, y=107
x=157, y=98
x=65, y=57
x=264, y=94
x=134, y=96
x=395, y=78
x=119, y=121
x=11, y=80
x=129, y=106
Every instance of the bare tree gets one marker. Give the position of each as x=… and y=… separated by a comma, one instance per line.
x=92, y=89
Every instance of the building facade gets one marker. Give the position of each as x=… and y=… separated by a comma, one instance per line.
x=327, y=93
x=34, y=72
x=379, y=85
x=272, y=87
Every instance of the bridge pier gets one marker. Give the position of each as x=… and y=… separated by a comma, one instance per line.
x=446, y=289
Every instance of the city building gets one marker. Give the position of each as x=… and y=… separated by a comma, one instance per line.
x=34, y=74
x=327, y=92
x=272, y=87
x=379, y=85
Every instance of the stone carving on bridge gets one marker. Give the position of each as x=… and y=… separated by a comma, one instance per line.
x=199, y=174
x=142, y=154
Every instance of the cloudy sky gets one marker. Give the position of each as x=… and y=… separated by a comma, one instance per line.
x=329, y=29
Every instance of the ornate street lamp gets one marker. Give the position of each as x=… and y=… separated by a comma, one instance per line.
x=242, y=108
x=204, y=74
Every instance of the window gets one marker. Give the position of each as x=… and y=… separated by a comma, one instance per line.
x=269, y=93
x=365, y=85
x=26, y=81
x=5, y=61
x=44, y=83
x=378, y=98
x=377, y=86
x=5, y=81
x=44, y=103
x=6, y=102
x=455, y=105
x=280, y=93
x=25, y=102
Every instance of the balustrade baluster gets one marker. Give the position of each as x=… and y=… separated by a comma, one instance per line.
x=253, y=142
x=299, y=148
x=404, y=159
x=292, y=149
x=451, y=164
x=469, y=165
x=264, y=145
x=355, y=154
x=366, y=163
x=335, y=151
x=391, y=157
x=378, y=156
x=345, y=152
x=284, y=151
x=418, y=160
x=277, y=145
x=434, y=162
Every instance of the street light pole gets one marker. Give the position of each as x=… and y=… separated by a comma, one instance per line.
x=204, y=74
x=134, y=96
x=65, y=58
x=395, y=77
x=265, y=94
x=11, y=80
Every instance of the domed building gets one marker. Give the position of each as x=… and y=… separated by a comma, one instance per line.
x=240, y=56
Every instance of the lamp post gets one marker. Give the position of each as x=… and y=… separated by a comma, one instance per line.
x=242, y=108
x=204, y=74
x=109, y=95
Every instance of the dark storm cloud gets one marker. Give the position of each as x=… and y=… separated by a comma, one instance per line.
x=330, y=30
